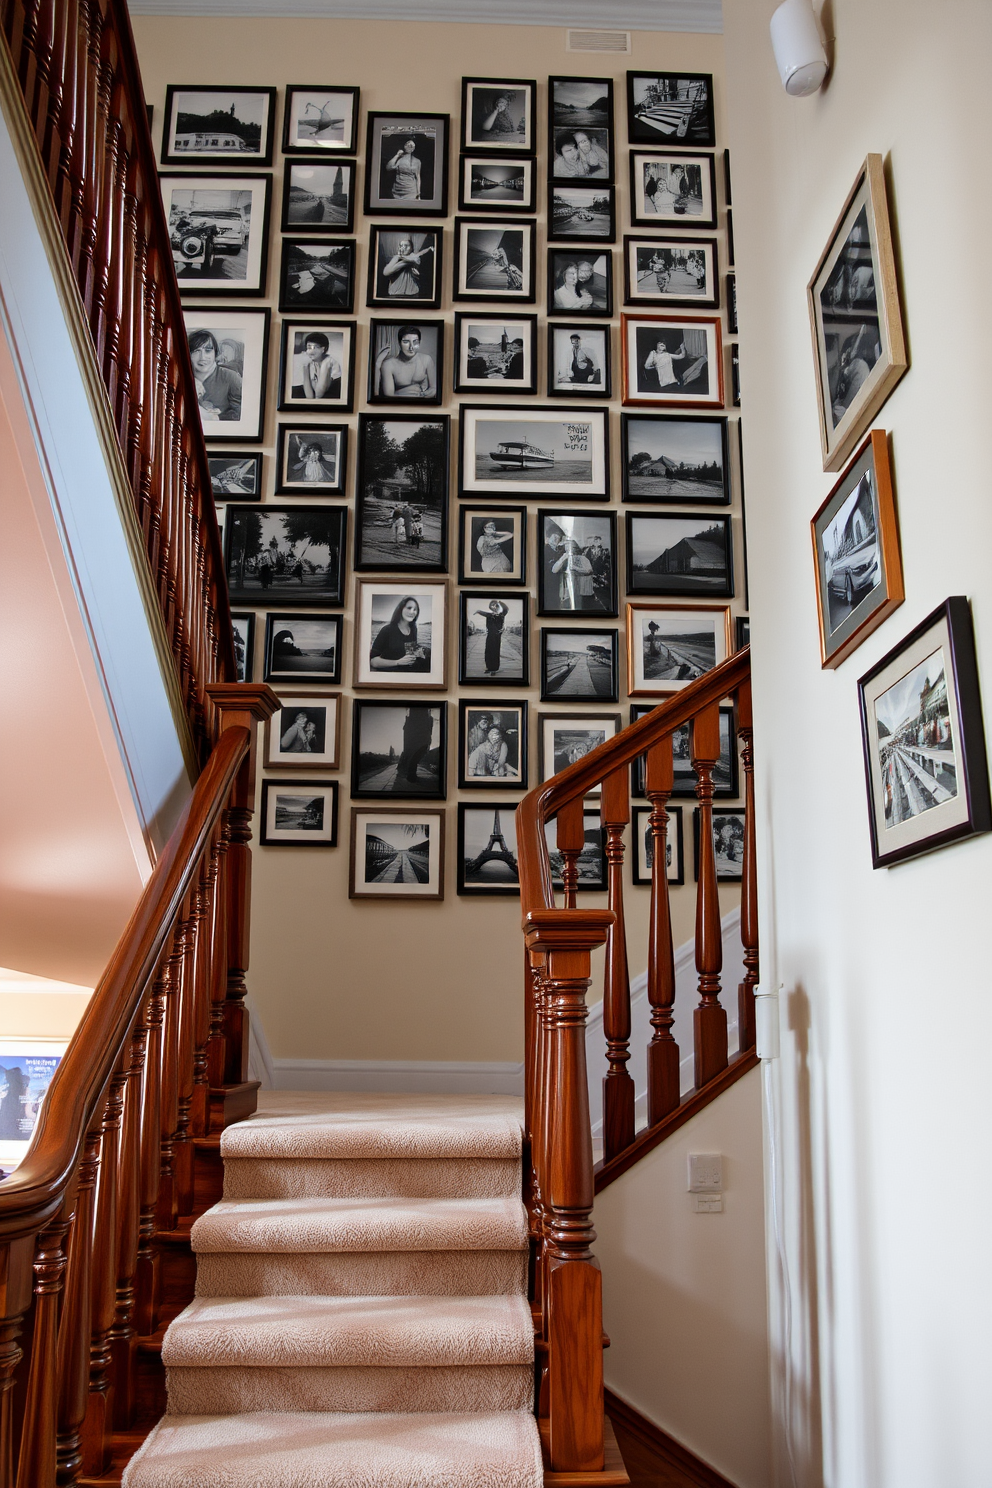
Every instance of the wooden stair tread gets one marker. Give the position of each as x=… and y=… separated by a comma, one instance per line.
x=613, y=1474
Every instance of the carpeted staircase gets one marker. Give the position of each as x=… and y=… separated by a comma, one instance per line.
x=361, y=1318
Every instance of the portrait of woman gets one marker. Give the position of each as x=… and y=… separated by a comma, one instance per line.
x=407, y=164
x=405, y=168
x=493, y=639
x=580, y=282
x=495, y=618
x=491, y=548
x=488, y=758
x=395, y=647
x=568, y=295
x=218, y=384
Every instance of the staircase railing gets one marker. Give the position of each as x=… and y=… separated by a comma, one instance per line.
x=559, y=941
x=158, y=1062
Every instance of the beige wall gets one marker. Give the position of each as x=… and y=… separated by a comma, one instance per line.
x=332, y=978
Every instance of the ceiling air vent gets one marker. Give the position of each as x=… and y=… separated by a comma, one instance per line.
x=598, y=41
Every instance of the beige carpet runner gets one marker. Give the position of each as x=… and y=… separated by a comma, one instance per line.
x=360, y=1318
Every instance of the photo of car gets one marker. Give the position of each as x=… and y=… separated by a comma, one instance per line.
x=194, y=244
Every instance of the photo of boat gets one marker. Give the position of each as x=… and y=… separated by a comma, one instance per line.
x=514, y=454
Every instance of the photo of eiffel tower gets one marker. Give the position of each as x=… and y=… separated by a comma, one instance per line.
x=494, y=867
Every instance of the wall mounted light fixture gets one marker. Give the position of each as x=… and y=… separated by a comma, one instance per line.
x=799, y=54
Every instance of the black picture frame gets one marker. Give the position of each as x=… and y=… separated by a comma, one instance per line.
x=495, y=261
x=491, y=655
x=672, y=189
x=487, y=184
x=563, y=739
x=487, y=849
x=297, y=646
x=387, y=508
x=666, y=458
x=726, y=772
x=485, y=763
x=670, y=105
x=579, y=665
x=388, y=362
x=419, y=279
x=560, y=597
x=299, y=834
x=251, y=528
x=240, y=341
x=728, y=840
x=321, y=450
x=479, y=106
x=581, y=214
x=583, y=371
x=318, y=196
x=250, y=142
x=509, y=522
x=393, y=753
x=581, y=137
x=383, y=144
x=337, y=339
x=578, y=275
x=243, y=627
x=235, y=475
x=640, y=854
x=591, y=863
x=328, y=139
x=327, y=266
x=695, y=561
x=509, y=452
x=220, y=243
x=673, y=264
x=742, y=631
x=491, y=366
x=731, y=279
x=735, y=375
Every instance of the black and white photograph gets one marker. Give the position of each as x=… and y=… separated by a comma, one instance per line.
x=590, y=865
x=726, y=776
x=487, y=850
x=580, y=128
x=399, y=749
x=494, y=260
x=405, y=361
x=299, y=813
x=243, y=629
x=492, y=545
x=401, y=516
x=577, y=558
x=320, y=121
x=732, y=304
x=580, y=213
x=533, y=452
x=579, y=666
x=236, y=476
x=579, y=361
x=219, y=229
x=317, y=275
x=580, y=281
x=397, y=854
x=492, y=745
x=317, y=371
x=642, y=857
x=302, y=648
x=305, y=732
x=673, y=361
x=493, y=639
x=495, y=353
x=676, y=107
x=498, y=114
x=406, y=165
x=316, y=196
x=488, y=185
x=669, y=646
x=743, y=631
x=311, y=459
x=228, y=350
x=666, y=458
x=293, y=555
x=735, y=376
x=405, y=267
x=728, y=844
x=671, y=189
x=671, y=271
x=218, y=126
x=568, y=737
x=680, y=553
x=400, y=634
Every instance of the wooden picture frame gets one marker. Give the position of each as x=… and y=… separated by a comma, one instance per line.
x=301, y=649
x=488, y=185
x=687, y=640
x=492, y=557
x=485, y=763
x=237, y=130
x=305, y=734
x=640, y=855
x=654, y=344
x=666, y=458
x=419, y=187
x=318, y=196
x=303, y=548
x=487, y=849
x=379, y=604
x=399, y=749
x=219, y=230
x=672, y=189
x=320, y=120
x=677, y=273
x=311, y=459
x=501, y=130
x=397, y=854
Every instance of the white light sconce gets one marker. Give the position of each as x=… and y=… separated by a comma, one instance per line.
x=799, y=54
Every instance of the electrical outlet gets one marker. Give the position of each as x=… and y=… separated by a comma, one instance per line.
x=705, y=1172
x=708, y=1203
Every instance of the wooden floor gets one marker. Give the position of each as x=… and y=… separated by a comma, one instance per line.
x=654, y=1459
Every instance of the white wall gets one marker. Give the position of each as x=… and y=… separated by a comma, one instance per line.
x=882, y=1300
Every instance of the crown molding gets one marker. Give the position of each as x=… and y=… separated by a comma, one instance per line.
x=625, y=15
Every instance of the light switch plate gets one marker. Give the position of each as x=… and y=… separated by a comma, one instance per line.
x=708, y=1203
x=705, y=1172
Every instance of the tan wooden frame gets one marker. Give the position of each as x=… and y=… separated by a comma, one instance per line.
x=630, y=396
x=404, y=681
x=310, y=762
x=369, y=808
x=633, y=605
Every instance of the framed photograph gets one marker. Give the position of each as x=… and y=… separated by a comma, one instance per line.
x=591, y=862
x=299, y=813
x=317, y=366
x=406, y=361
x=534, y=452
x=667, y=360
x=487, y=185
x=400, y=634
x=666, y=458
x=580, y=281
x=732, y=304
x=236, y=476
x=302, y=648
x=735, y=376
x=401, y=512
x=579, y=361
x=26, y=1070
x=218, y=126
x=498, y=114
x=577, y=555
x=672, y=189
x=311, y=459
x=487, y=849
x=219, y=230
x=405, y=267
x=315, y=197
x=406, y=165
x=397, y=854
x=686, y=553
x=856, y=553
x=579, y=666
x=726, y=775
x=320, y=121
x=567, y=737
x=293, y=555
x=493, y=639
x=583, y=108
x=671, y=271
x=581, y=213
x=495, y=353
x=858, y=343
x=243, y=628
x=669, y=646
x=730, y=238
x=229, y=353
x=494, y=260
x=728, y=842
x=743, y=624
x=317, y=276
x=581, y=154
x=399, y=749
x=305, y=732
x=492, y=545
x=670, y=106
x=642, y=840
x=924, y=739
x=492, y=746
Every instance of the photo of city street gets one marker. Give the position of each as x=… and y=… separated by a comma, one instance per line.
x=916, y=752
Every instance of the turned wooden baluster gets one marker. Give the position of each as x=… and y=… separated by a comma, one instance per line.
x=182, y=1156
x=570, y=837
x=663, y=1051
x=709, y=1018
x=749, y=877
x=73, y=1359
x=15, y=1298
x=618, y=1087
x=97, y=1426
x=146, y=1270
x=36, y=1464
x=202, y=1008
x=217, y=1046
x=123, y=1334
x=167, y=1212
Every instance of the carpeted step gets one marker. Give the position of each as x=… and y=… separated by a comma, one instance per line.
x=438, y=1273
x=443, y=1388
x=320, y=1450
x=375, y=1178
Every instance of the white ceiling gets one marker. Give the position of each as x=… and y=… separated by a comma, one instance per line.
x=633, y=15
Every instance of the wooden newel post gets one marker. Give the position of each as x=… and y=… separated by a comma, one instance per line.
x=749, y=877
x=15, y=1298
x=663, y=1051
x=618, y=1087
x=710, y=1018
